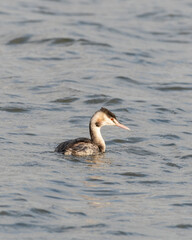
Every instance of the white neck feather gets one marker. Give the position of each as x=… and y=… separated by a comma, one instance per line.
x=95, y=133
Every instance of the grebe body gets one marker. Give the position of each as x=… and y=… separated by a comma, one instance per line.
x=95, y=145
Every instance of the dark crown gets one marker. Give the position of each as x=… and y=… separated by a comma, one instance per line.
x=108, y=113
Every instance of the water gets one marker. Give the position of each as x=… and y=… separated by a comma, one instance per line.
x=60, y=62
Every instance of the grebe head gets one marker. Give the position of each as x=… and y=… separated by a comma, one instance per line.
x=105, y=117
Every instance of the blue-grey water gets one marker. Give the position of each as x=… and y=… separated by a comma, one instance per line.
x=61, y=61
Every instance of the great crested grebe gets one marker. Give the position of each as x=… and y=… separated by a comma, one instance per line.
x=95, y=145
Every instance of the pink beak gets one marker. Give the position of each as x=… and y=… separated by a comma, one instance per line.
x=122, y=126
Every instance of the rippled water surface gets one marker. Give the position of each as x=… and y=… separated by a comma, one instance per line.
x=60, y=62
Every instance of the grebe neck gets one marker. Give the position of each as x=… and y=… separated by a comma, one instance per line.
x=96, y=137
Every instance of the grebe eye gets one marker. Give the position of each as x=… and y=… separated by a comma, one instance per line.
x=112, y=119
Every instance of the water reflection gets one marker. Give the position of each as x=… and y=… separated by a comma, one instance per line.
x=92, y=193
x=96, y=201
x=98, y=161
x=95, y=161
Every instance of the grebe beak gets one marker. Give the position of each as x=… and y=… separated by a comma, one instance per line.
x=122, y=126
